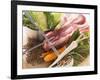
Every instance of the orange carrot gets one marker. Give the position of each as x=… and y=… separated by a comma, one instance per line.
x=50, y=55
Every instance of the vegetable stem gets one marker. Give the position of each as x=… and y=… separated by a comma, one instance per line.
x=72, y=46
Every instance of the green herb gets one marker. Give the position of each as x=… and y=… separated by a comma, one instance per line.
x=82, y=51
x=44, y=20
x=77, y=49
x=27, y=23
x=40, y=19
x=56, y=17
x=52, y=19
x=74, y=36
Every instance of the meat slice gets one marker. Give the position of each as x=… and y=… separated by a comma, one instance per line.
x=61, y=36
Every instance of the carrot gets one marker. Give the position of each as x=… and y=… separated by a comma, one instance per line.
x=61, y=49
x=44, y=54
x=50, y=55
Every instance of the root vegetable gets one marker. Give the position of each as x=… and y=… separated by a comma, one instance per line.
x=50, y=55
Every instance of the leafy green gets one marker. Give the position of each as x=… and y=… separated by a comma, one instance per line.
x=27, y=23
x=40, y=19
x=52, y=19
x=74, y=36
x=81, y=52
x=44, y=20
x=56, y=17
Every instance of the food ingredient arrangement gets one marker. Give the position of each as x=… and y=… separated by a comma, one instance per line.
x=52, y=39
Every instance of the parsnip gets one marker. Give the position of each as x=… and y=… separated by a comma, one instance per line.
x=72, y=46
